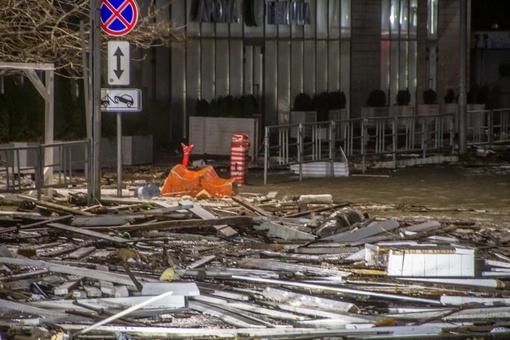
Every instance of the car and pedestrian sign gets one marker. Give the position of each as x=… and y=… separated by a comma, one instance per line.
x=118, y=17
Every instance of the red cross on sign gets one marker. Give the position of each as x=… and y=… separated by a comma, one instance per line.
x=118, y=17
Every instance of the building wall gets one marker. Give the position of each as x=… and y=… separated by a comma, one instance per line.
x=448, y=47
x=339, y=50
x=366, y=52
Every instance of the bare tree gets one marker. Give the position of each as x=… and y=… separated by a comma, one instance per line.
x=48, y=31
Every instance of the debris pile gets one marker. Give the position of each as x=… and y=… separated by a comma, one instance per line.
x=243, y=267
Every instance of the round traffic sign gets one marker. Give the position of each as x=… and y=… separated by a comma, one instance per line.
x=118, y=17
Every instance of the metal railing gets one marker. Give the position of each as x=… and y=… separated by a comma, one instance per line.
x=24, y=167
x=487, y=127
x=291, y=144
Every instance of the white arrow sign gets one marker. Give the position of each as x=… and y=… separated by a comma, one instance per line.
x=118, y=63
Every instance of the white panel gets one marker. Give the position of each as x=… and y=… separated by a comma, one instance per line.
x=431, y=264
x=311, y=29
x=217, y=135
x=207, y=74
x=309, y=68
x=334, y=18
x=321, y=18
x=222, y=58
x=192, y=69
x=283, y=72
x=296, y=74
x=177, y=75
x=248, y=69
x=270, y=83
x=197, y=134
x=345, y=67
x=322, y=67
x=346, y=18
x=236, y=68
x=334, y=66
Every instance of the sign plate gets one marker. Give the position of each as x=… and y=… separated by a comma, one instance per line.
x=121, y=100
x=118, y=63
x=118, y=17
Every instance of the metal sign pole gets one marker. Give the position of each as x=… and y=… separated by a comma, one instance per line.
x=95, y=44
x=119, y=154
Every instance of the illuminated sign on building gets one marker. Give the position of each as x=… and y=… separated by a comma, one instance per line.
x=288, y=13
x=215, y=11
x=226, y=11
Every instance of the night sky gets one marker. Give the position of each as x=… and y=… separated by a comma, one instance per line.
x=485, y=13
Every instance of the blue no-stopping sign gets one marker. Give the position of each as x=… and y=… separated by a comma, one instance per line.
x=118, y=17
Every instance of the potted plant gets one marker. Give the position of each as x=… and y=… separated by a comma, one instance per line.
x=321, y=103
x=377, y=98
x=449, y=98
x=303, y=111
x=375, y=105
x=337, y=106
x=403, y=108
x=430, y=97
x=403, y=97
x=429, y=106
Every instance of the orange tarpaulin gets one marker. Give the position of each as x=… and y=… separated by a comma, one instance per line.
x=181, y=181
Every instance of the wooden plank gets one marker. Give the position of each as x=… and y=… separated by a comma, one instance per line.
x=242, y=201
x=53, y=267
x=372, y=229
x=81, y=252
x=201, y=262
x=88, y=233
x=56, y=207
x=239, y=221
x=20, y=307
x=222, y=230
x=290, y=267
x=107, y=288
x=283, y=232
x=67, y=287
x=178, y=288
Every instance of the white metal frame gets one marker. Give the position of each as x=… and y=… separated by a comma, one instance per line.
x=46, y=90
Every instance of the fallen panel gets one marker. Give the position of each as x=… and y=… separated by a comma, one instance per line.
x=322, y=169
x=167, y=302
x=178, y=288
x=53, y=267
x=88, y=233
x=28, y=309
x=275, y=265
x=229, y=317
x=341, y=290
x=451, y=300
x=272, y=313
x=283, y=232
x=491, y=283
x=372, y=229
x=297, y=299
x=423, y=261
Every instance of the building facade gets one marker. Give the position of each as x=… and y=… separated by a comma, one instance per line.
x=275, y=50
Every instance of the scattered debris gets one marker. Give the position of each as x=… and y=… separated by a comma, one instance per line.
x=244, y=267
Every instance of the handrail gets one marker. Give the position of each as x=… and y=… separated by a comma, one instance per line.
x=292, y=144
x=23, y=165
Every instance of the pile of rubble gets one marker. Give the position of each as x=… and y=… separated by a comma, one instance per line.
x=249, y=266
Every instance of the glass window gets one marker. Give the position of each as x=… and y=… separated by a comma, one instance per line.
x=398, y=47
x=432, y=19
